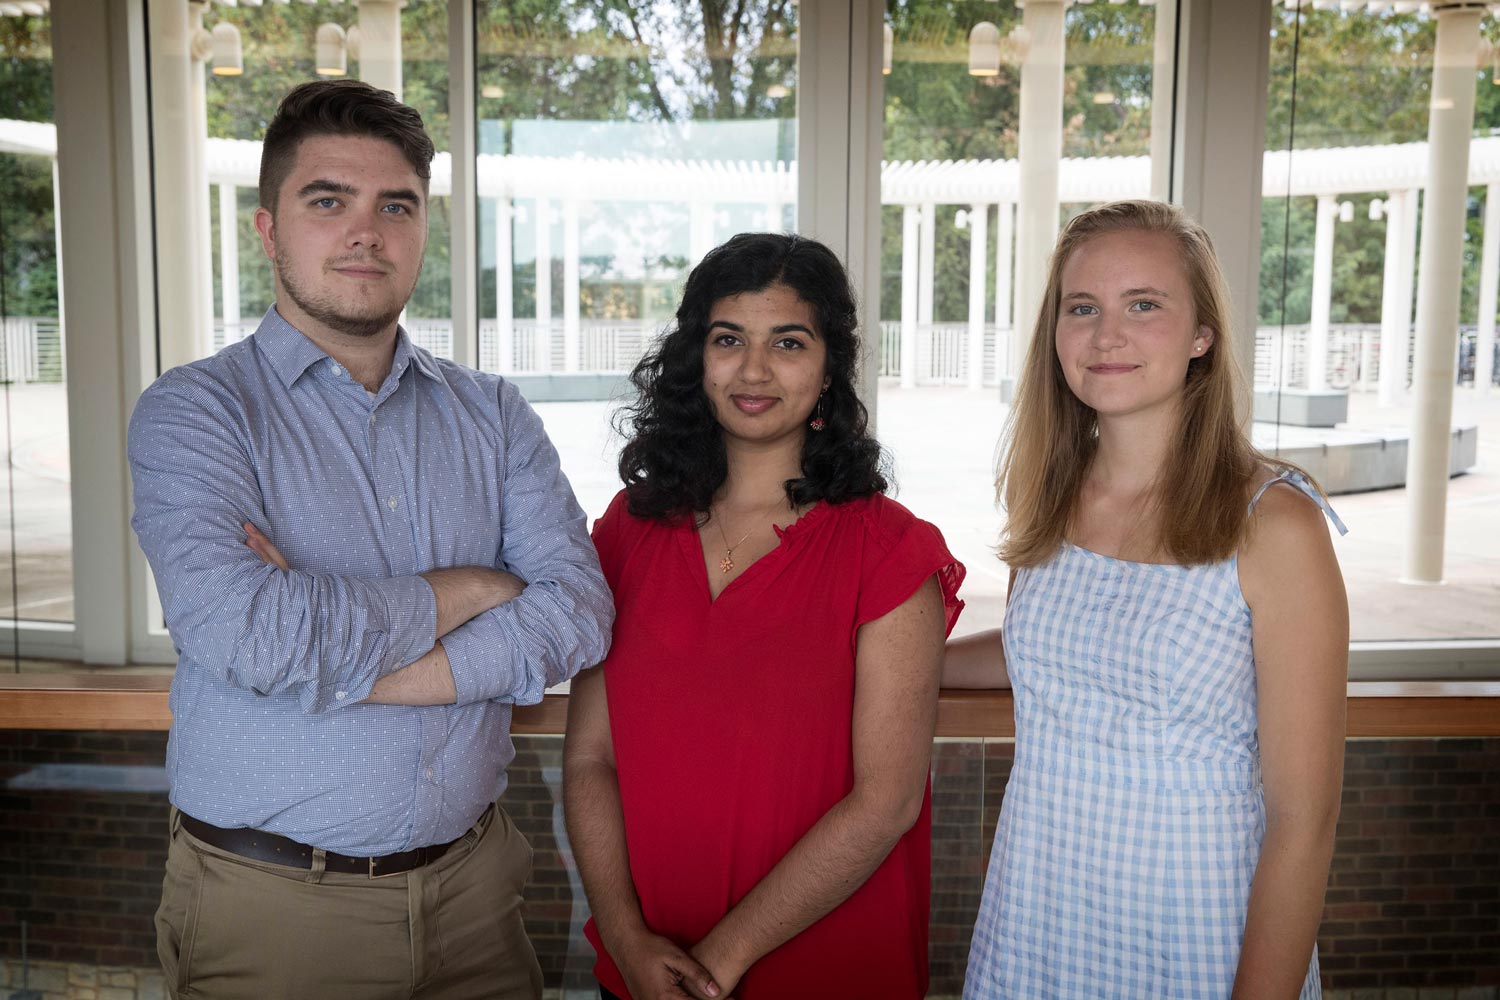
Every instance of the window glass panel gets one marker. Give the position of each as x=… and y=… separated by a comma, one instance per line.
x=1340, y=315
x=618, y=143
x=36, y=531
x=955, y=319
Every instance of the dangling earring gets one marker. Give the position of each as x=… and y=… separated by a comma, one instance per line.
x=818, y=423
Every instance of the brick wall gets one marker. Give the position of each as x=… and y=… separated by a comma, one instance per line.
x=1413, y=900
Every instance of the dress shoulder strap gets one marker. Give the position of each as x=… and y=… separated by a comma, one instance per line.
x=1296, y=479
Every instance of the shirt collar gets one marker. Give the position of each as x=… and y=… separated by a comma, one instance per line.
x=291, y=353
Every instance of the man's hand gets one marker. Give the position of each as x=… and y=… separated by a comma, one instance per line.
x=656, y=969
x=261, y=546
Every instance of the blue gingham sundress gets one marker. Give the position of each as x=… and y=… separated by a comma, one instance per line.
x=1133, y=816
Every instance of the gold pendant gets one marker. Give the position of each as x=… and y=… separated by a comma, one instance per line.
x=726, y=564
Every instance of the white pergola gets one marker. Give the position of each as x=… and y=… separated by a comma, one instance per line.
x=1392, y=174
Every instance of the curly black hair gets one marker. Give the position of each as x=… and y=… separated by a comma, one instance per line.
x=673, y=461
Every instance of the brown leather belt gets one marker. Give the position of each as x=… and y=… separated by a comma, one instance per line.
x=257, y=845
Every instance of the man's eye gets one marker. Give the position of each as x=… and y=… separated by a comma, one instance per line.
x=397, y=209
x=326, y=202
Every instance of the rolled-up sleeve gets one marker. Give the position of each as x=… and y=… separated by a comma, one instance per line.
x=561, y=622
x=323, y=638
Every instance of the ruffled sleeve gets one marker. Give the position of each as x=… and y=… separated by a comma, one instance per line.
x=902, y=551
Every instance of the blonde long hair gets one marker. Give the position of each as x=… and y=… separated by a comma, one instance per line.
x=1200, y=500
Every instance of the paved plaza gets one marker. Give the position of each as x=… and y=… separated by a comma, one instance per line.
x=942, y=441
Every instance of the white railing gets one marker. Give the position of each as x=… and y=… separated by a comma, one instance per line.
x=1353, y=360
x=31, y=349
x=942, y=353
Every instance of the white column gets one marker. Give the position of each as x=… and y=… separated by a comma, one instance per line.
x=57, y=244
x=229, y=259
x=926, y=262
x=380, y=44
x=505, y=301
x=1005, y=234
x=203, y=272
x=463, y=198
x=911, y=226
x=1039, y=150
x=185, y=278
x=773, y=217
x=572, y=342
x=1399, y=211
x=1322, y=293
x=543, y=285
x=979, y=273
x=1163, y=84
x=1406, y=287
x=1489, y=278
x=700, y=231
x=1450, y=121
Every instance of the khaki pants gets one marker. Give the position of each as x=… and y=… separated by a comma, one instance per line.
x=231, y=928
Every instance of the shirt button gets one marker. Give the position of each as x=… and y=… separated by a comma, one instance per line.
x=341, y=695
x=393, y=503
x=338, y=369
x=429, y=774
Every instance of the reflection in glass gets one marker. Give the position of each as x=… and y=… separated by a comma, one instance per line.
x=1346, y=198
x=36, y=531
x=618, y=143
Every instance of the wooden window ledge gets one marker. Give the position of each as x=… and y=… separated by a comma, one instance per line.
x=104, y=699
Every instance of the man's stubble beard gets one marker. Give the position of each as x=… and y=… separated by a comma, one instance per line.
x=328, y=313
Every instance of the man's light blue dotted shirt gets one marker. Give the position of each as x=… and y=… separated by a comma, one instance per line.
x=442, y=466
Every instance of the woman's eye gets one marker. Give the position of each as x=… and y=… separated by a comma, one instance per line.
x=790, y=344
x=725, y=340
x=1145, y=305
x=1083, y=310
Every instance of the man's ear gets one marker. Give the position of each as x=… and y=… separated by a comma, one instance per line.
x=265, y=225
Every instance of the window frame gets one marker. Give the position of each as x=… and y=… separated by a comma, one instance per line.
x=101, y=80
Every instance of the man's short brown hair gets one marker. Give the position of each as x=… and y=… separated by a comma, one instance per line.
x=339, y=108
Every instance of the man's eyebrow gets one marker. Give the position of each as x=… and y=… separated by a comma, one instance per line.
x=325, y=186
x=401, y=194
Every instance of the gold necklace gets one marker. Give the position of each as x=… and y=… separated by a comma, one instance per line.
x=726, y=565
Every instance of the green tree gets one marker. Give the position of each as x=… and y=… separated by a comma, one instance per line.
x=28, y=263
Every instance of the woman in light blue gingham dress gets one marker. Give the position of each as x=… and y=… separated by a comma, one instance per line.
x=1178, y=678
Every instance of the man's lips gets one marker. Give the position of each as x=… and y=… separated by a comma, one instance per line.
x=360, y=270
x=753, y=404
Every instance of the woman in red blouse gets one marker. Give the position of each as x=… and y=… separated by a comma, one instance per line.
x=746, y=775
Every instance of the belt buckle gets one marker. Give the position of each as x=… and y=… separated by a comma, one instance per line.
x=375, y=873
